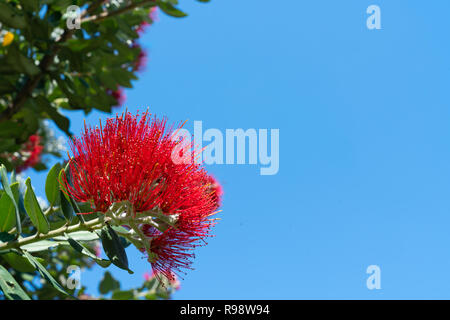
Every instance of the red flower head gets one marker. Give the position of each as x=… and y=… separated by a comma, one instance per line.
x=168, y=204
x=32, y=151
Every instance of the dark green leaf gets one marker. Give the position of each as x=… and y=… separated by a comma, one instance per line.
x=82, y=249
x=113, y=248
x=6, y=237
x=66, y=207
x=108, y=284
x=40, y=167
x=120, y=229
x=44, y=273
x=21, y=62
x=61, y=121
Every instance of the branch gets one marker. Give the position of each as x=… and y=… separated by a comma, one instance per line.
x=107, y=14
x=89, y=226
x=46, y=61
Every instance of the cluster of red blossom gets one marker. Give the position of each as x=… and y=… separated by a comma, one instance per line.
x=33, y=149
x=141, y=61
x=130, y=159
x=27, y=156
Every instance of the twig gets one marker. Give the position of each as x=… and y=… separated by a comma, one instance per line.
x=107, y=14
x=89, y=226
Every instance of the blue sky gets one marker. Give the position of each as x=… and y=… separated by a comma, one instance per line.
x=364, y=118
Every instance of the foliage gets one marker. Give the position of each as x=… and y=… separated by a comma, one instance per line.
x=47, y=70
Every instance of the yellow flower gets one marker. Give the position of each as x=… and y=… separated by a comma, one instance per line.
x=7, y=39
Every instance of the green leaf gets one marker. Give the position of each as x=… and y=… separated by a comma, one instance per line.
x=61, y=121
x=19, y=263
x=11, y=289
x=79, y=236
x=8, y=209
x=7, y=213
x=8, y=190
x=119, y=229
x=21, y=62
x=108, y=284
x=113, y=248
x=52, y=184
x=44, y=273
x=82, y=249
x=13, y=177
x=34, y=210
x=40, y=167
x=42, y=245
x=11, y=17
x=169, y=9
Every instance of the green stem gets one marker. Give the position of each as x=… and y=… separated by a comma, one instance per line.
x=87, y=226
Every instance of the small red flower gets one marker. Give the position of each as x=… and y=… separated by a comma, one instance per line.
x=141, y=60
x=31, y=151
x=153, y=15
x=141, y=28
x=118, y=94
x=173, y=281
x=130, y=159
x=216, y=189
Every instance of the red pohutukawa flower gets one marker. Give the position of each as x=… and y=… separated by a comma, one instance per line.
x=167, y=205
x=31, y=151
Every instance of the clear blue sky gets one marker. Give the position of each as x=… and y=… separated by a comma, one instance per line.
x=364, y=119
